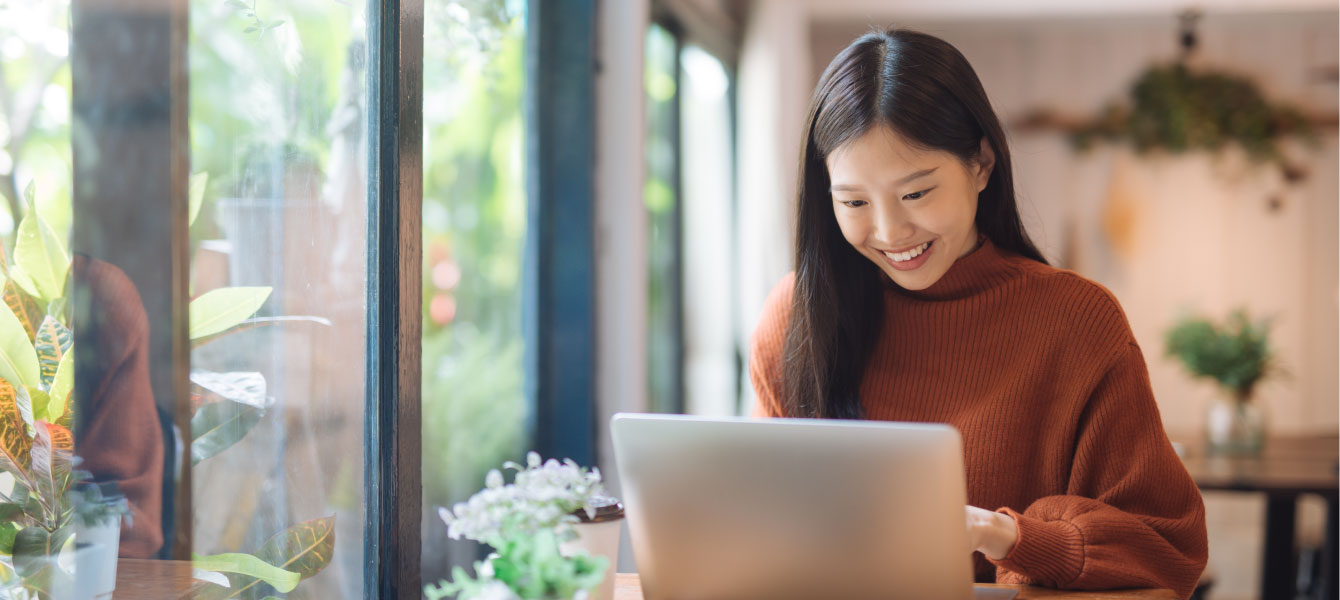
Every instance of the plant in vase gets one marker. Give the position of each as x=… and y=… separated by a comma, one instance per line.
x=1235, y=355
x=532, y=525
x=53, y=520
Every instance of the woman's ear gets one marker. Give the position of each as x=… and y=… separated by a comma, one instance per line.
x=986, y=160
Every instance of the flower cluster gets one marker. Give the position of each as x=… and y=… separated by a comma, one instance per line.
x=544, y=495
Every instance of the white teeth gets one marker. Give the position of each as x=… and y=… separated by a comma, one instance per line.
x=909, y=255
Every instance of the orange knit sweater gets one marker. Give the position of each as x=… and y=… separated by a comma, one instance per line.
x=1039, y=371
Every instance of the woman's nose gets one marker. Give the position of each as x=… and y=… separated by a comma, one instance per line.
x=892, y=224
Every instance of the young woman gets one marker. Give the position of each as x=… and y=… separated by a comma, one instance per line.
x=918, y=296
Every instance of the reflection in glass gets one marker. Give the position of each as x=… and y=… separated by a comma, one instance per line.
x=278, y=283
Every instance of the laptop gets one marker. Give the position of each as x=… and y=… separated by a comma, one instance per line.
x=737, y=508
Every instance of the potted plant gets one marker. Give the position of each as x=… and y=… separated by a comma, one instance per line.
x=1235, y=355
x=554, y=532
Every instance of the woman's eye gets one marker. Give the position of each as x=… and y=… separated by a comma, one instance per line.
x=854, y=203
x=917, y=195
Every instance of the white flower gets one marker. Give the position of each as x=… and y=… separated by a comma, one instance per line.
x=543, y=495
x=493, y=480
x=496, y=590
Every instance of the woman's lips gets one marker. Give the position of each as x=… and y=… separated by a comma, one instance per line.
x=913, y=263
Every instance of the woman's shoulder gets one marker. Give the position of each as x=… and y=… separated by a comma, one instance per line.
x=1078, y=304
x=770, y=332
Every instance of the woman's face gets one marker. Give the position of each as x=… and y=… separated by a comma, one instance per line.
x=908, y=210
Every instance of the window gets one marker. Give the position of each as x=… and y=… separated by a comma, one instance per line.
x=692, y=353
x=277, y=118
x=474, y=226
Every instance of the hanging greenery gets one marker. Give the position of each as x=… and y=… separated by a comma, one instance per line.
x=1176, y=109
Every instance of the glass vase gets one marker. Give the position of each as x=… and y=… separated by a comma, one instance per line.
x=1235, y=426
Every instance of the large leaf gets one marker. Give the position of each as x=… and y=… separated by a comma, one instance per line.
x=196, y=195
x=40, y=255
x=246, y=564
x=35, y=552
x=217, y=310
x=259, y=322
x=53, y=341
x=245, y=387
x=15, y=443
x=51, y=461
x=61, y=387
x=305, y=548
x=39, y=401
x=218, y=425
x=18, y=359
x=9, y=529
x=24, y=306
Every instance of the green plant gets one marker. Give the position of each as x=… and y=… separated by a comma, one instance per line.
x=1177, y=109
x=525, y=567
x=1235, y=354
x=524, y=521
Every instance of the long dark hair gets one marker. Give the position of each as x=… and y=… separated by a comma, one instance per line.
x=922, y=88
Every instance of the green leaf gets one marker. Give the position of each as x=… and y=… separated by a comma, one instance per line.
x=217, y=310
x=35, y=549
x=40, y=405
x=246, y=564
x=18, y=359
x=196, y=194
x=255, y=322
x=41, y=256
x=61, y=387
x=250, y=29
x=24, y=306
x=304, y=548
x=8, y=531
x=238, y=4
x=218, y=425
x=53, y=341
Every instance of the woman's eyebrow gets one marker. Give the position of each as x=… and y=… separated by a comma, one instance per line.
x=907, y=179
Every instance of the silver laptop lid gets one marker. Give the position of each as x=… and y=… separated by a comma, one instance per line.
x=793, y=508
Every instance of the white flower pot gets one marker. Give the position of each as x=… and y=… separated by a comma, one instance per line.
x=600, y=537
x=95, y=560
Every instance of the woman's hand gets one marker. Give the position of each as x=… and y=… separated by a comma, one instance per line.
x=991, y=533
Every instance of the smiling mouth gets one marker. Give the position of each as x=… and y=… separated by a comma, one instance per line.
x=899, y=257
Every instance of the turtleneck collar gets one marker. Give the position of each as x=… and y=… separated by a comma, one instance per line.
x=979, y=270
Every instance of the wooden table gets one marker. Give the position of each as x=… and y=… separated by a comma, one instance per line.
x=152, y=579
x=1288, y=468
x=627, y=587
x=171, y=580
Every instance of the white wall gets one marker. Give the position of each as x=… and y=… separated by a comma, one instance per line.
x=773, y=96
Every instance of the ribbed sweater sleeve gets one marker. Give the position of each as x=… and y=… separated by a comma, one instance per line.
x=765, y=349
x=1131, y=516
x=122, y=441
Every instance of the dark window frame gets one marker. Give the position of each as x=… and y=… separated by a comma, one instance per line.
x=558, y=297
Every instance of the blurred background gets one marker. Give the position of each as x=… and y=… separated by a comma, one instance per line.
x=1229, y=201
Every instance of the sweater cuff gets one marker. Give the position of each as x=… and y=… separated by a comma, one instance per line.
x=1046, y=552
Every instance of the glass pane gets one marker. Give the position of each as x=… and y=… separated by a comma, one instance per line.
x=661, y=194
x=277, y=256
x=711, y=369
x=474, y=227
x=277, y=120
